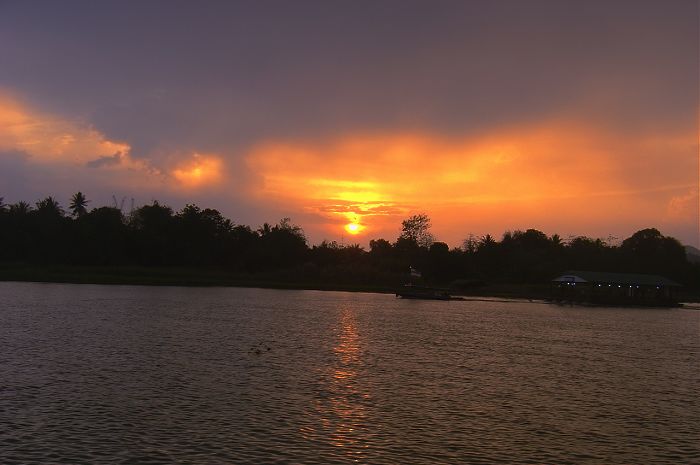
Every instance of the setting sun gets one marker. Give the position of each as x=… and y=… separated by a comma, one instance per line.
x=354, y=228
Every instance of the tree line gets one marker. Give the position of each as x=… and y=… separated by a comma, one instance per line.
x=155, y=235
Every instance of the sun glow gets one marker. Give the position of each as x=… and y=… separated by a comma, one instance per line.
x=513, y=177
x=202, y=170
x=354, y=228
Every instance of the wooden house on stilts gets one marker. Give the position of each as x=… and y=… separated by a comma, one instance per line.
x=619, y=289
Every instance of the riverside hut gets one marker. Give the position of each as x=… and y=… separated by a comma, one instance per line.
x=625, y=289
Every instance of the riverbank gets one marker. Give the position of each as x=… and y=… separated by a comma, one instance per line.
x=150, y=276
x=188, y=277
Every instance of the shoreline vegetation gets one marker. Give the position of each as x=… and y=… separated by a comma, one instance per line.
x=182, y=277
x=141, y=276
x=154, y=245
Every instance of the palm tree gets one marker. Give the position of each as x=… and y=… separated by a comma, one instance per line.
x=265, y=229
x=556, y=240
x=49, y=206
x=20, y=208
x=78, y=204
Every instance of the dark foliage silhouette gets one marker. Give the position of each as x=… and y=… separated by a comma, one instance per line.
x=194, y=238
x=78, y=204
x=417, y=229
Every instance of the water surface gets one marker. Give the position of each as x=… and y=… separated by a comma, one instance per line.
x=167, y=375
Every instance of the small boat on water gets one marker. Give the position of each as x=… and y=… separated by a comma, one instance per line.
x=410, y=291
x=414, y=291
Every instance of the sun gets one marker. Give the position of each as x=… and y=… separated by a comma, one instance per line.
x=354, y=228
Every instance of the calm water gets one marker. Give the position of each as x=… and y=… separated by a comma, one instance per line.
x=146, y=375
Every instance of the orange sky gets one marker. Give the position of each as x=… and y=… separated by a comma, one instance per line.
x=557, y=176
x=539, y=176
x=569, y=117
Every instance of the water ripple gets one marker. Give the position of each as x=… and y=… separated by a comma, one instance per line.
x=139, y=375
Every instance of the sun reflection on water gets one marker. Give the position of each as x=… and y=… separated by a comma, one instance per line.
x=342, y=409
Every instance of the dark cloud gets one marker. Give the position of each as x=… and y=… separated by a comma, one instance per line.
x=170, y=77
x=105, y=161
x=230, y=74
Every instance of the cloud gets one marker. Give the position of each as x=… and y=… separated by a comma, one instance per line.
x=248, y=73
x=552, y=174
x=548, y=174
x=489, y=115
x=50, y=139
x=199, y=170
x=684, y=206
x=112, y=160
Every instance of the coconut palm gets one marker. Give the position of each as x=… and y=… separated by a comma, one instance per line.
x=78, y=204
x=49, y=206
x=20, y=208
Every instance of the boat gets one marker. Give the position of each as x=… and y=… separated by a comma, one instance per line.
x=410, y=291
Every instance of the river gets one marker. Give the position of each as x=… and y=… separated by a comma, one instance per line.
x=172, y=375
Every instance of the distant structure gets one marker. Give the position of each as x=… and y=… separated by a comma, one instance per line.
x=622, y=289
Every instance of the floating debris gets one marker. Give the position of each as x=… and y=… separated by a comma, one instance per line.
x=259, y=348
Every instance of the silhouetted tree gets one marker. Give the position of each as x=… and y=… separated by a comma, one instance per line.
x=265, y=229
x=48, y=230
x=486, y=263
x=102, y=238
x=380, y=247
x=49, y=207
x=282, y=245
x=154, y=235
x=439, y=265
x=531, y=239
x=585, y=253
x=204, y=236
x=20, y=208
x=17, y=232
x=78, y=204
x=287, y=226
x=243, y=247
x=486, y=242
x=439, y=248
x=5, y=230
x=556, y=240
x=417, y=229
x=470, y=244
x=153, y=239
x=648, y=250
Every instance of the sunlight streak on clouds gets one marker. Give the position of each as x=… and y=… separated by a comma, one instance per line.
x=51, y=141
x=536, y=175
x=198, y=171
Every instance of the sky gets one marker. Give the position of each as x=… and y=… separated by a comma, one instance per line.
x=571, y=117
